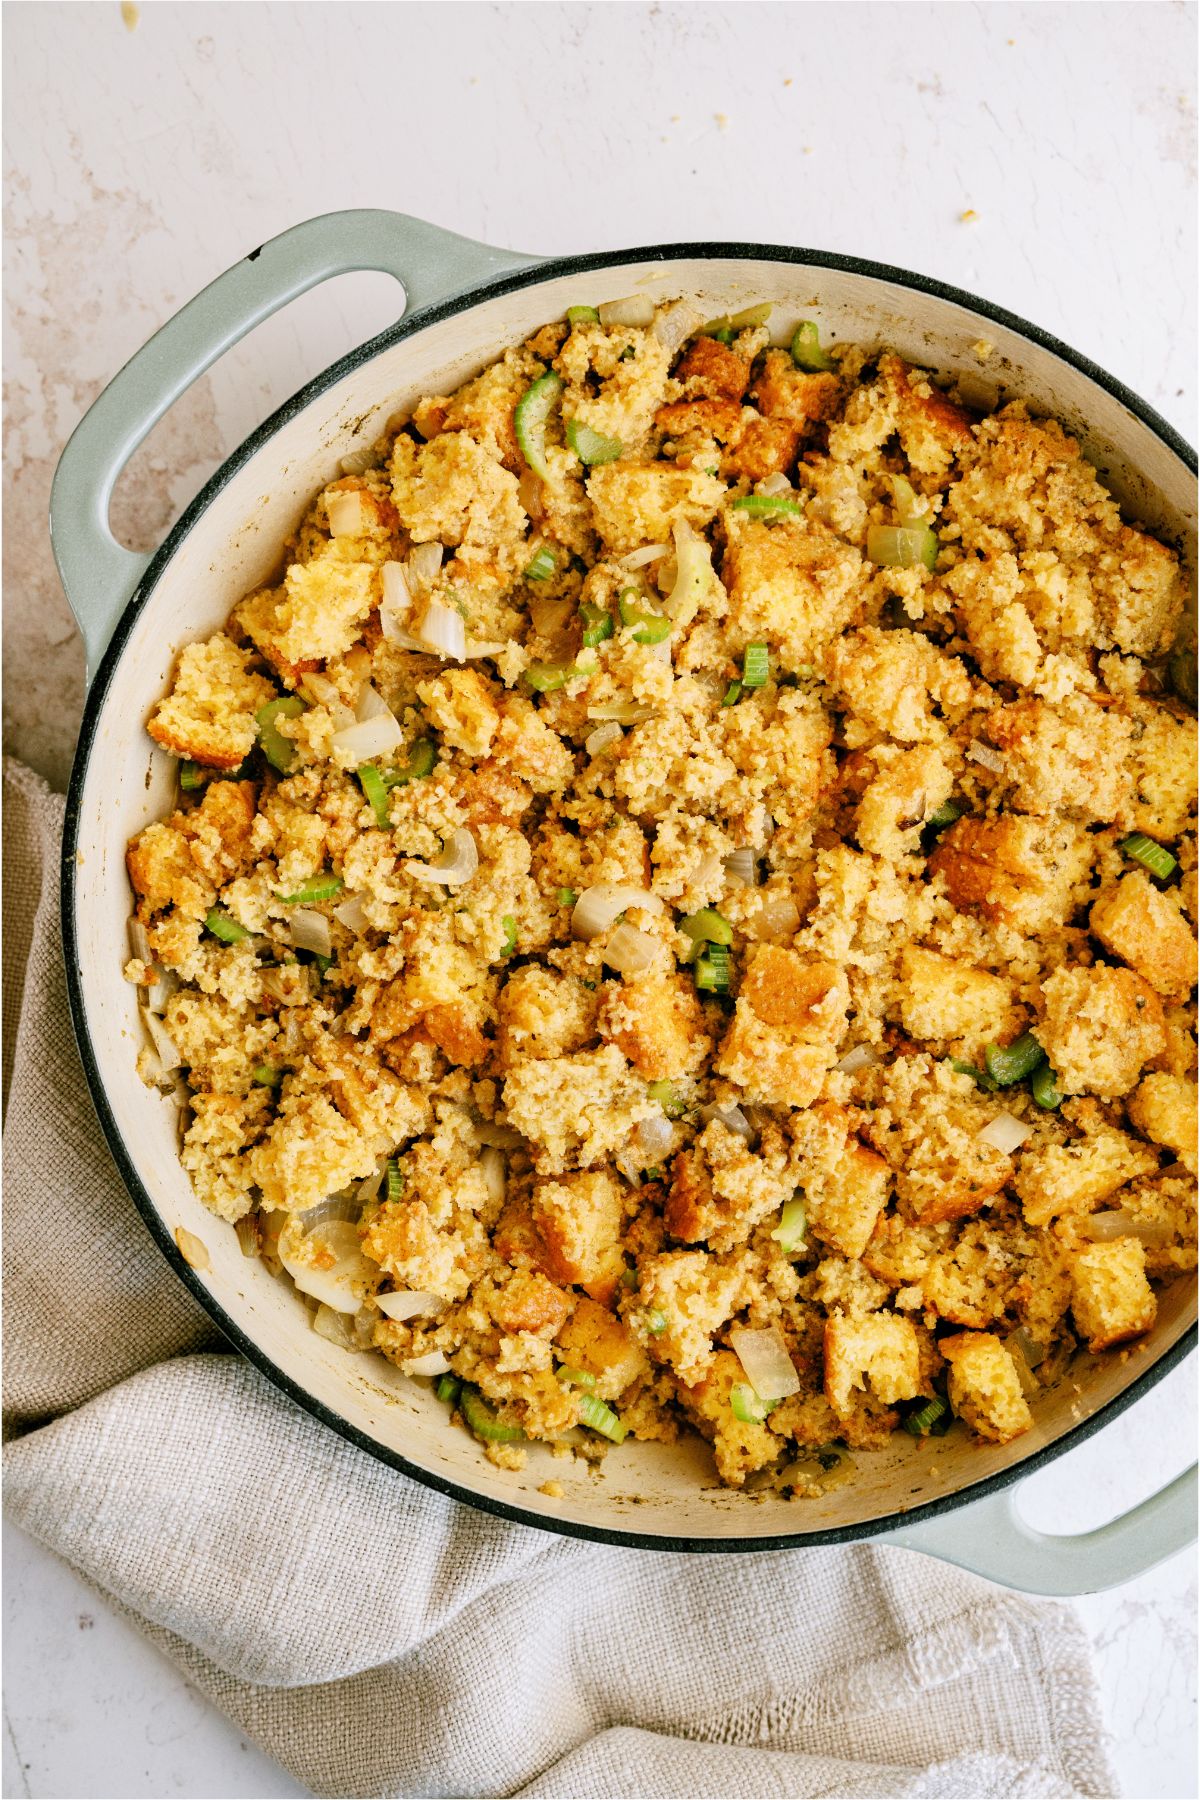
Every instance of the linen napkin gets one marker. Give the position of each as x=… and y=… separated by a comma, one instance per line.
x=379, y=1639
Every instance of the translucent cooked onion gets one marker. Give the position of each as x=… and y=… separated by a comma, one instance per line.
x=326, y=695
x=442, y=630
x=775, y=484
x=550, y=618
x=310, y=930
x=337, y=1328
x=764, y=1356
x=629, y=950
x=158, y=994
x=861, y=1057
x=604, y=735
x=732, y=1117
x=598, y=906
x=1103, y=1227
x=347, y=513
x=693, y=573
x=635, y=309
x=675, y=324
x=502, y=1137
x=777, y=919
x=624, y=712
x=371, y=704
x=344, y=1273
x=423, y=566
x=368, y=738
x=1006, y=1133
x=456, y=865
x=985, y=756
x=655, y=1137
x=139, y=942
x=629, y=1162
x=193, y=1250
x=247, y=1230
x=344, y=1205
x=495, y=1175
x=357, y=462
x=529, y=493
x=350, y=914
x=368, y=1189
x=165, y=1047
x=433, y=1362
x=740, y=866
x=637, y=559
x=408, y=1303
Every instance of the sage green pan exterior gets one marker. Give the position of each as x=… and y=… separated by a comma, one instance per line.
x=464, y=303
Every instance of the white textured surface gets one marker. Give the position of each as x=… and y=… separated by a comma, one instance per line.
x=141, y=163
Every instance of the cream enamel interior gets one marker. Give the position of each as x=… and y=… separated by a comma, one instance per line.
x=656, y=1491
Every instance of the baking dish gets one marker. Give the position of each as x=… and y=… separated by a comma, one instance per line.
x=464, y=303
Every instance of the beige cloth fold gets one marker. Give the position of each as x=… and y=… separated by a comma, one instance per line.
x=380, y=1639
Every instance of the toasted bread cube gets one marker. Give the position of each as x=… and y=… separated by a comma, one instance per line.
x=1072, y=1179
x=794, y=396
x=943, y=999
x=713, y=370
x=596, y=1340
x=209, y=715
x=880, y=1350
x=696, y=1294
x=1068, y=760
x=164, y=872
x=739, y=1446
x=969, y=1284
x=892, y=680
x=721, y=1188
x=789, y=1016
x=1022, y=871
x=1146, y=928
x=1163, y=763
x=909, y=786
x=845, y=1184
x=1100, y=1027
x=462, y=707
x=797, y=585
x=640, y=503
x=763, y=447
x=931, y=427
x=1110, y=1297
x=656, y=1020
x=1164, y=1109
x=579, y=1220
x=543, y=1014
x=984, y=1387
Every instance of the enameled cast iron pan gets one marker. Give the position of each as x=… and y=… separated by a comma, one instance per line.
x=465, y=303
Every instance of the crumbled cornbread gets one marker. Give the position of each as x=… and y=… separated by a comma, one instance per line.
x=694, y=768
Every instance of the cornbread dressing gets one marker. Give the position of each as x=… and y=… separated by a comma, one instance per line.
x=684, y=952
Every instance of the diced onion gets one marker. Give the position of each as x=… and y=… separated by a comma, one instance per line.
x=629, y=950
x=529, y=493
x=637, y=559
x=777, y=919
x=604, y=735
x=502, y=1137
x=433, y=1362
x=397, y=600
x=636, y=309
x=337, y=1328
x=457, y=863
x=159, y=993
x=193, y=1250
x=408, y=1303
x=344, y=1205
x=341, y=1283
x=347, y=514
x=442, y=630
x=310, y=930
x=764, y=1356
x=495, y=1175
x=599, y=905
x=357, y=462
x=164, y=1044
x=629, y=1162
x=350, y=914
x=986, y=756
x=139, y=942
x=423, y=566
x=655, y=1137
x=325, y=694
x=775, y=484
x=1005, y=1133
x=1103, y=1227
x=248, y=1238
x=693, y=573
x=861, y=1057
x=732, y=1117
x=740, y=866
x=550, y=618
x=675, y=324
x=368, y=738
x=371, y=704
x=477, y=647
x=624, y=712
x=368, y=1189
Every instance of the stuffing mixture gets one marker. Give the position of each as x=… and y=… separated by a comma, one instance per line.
x=679, y=909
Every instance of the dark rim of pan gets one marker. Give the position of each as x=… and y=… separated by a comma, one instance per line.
x=97, y=696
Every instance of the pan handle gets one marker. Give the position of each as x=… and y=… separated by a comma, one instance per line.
x=991, y=1538
x=100, y=575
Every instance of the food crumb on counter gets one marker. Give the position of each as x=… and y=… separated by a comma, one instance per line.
x=553, y=1490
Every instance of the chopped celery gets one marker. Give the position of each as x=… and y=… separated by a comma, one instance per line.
x=733, y=694
x=651, y=627
x=223, y=927
x=667, y=1098
x=902, y=546
x=746, y=1405
x=1044, y=1087
x=597, y=624
x=315, y=889
x=541, y=566
x=793, y=1222
x=712, y=970
x=375, y=790
x=756, y=666
x=592, y=447
x=770, y=506
x=576, y=1377
x=1013, y=1063
x=279, y=751
x=191, y=776
x=582, y=315
x=510, y=935
x=807, y=353
x=1152, y=856
x=597, y=1417
x=483, y=1421
x=529, y=420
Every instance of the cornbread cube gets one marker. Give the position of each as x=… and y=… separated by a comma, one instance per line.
x=1056, y=1180
x=845, y=1184
x=454, y=491
x=942, y=998
x=1164, y=1109
x=892, y=681
x=579, y=1219
x=696, y=1294
x=461, y=704
x=931, y=427
x=596, y=1340
x=970, y=1284
x=739, y=1446
x=784, y=392
x=316, y=614
x=910, y=785
x=216, y=1149
x=1110, y=1297
x=881, y=1351
x=543, y=1014
x=656, y=1021
x=1163, y=766
x=208, y=715
x=713, y=370
x=1069, y=759
x=794, y=584
x=763, y=447
x=637, y=503
x=308, y=1152
x=984, y=1387
x=927, y=1128
x=789, y=1017
x=1146, y=928
x=721, y=1189
x=578, y=1108
x=1100, y=1027
x=525, y=1301
x=164, y=873
x=1021, y=871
